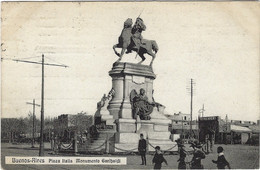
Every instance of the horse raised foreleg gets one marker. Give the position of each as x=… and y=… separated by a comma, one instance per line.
x=114, y=48
x=121, y=55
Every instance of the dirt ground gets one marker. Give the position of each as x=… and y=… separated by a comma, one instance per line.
x=239, y=157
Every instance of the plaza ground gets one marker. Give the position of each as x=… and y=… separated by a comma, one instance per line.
x=239, y=157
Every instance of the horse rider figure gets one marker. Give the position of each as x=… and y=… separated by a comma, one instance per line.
x=136, y=38
x=131, y=39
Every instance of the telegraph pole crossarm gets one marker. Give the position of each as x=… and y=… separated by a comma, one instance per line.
x=41, y=149
x=33, y=104
x=33, y=62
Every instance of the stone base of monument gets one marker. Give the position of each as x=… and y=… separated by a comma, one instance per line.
x=108, y=119
x=126, y=125
x=126, y=142
x=127, y=80
x=106, y=116
x=155, y=131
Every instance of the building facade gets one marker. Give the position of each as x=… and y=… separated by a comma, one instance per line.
x=181, y=125
x=66, y=125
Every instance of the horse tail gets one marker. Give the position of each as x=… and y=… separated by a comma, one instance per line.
x=155, y=46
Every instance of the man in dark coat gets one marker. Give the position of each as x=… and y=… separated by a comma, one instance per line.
x=158, y=158
x=221, y=161
x=142, y=149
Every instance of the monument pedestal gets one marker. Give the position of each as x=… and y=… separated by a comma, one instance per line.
x=126, y=125
x=125, y=78
x=106, y=116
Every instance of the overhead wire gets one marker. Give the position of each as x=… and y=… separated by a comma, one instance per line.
x=17, y=59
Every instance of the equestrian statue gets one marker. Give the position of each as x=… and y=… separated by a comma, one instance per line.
x=131, y=40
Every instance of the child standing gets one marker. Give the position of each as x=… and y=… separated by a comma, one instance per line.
x=221, y=161
x=198, y=155
x=158, y=158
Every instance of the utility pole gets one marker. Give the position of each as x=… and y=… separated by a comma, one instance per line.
x=41, y=150
x=181, y=127
x=33, y=132
x=191, y=96
x=198, y=126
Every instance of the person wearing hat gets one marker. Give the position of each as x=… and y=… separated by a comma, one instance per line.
x=221, y=161
x=181, y=160
x=137, y=38
x=142, y=148
x=158, y=158
x=198, y=154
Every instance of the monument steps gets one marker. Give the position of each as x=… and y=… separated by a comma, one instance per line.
x=97, y=141
x=162, y=142
x=99, y=144
x=126, y=147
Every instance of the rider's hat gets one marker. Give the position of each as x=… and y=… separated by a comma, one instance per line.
x=139, y=18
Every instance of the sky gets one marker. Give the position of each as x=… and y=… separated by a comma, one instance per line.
x=214, y=43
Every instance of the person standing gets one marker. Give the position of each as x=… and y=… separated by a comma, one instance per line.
x=142, y=148
x=52, y=142
x=56, y=144
x=197, y=156
x=221, y=161
x=179, y=142
x=158, y=158
x=207, y=143
x=181, y=160
x=212, y=140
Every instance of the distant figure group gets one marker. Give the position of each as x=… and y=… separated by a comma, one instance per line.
x=55, y=143
x=195, y=163
x=209, y=141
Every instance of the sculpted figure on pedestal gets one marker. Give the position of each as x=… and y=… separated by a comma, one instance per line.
x=140, y=105
x=131, y=40
x=105, y=98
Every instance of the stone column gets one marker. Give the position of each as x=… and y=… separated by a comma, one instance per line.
x=149, y=88
x=126, y=111
x=116, y=102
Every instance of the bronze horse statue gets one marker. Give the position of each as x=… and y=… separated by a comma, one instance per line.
x=125, y=39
